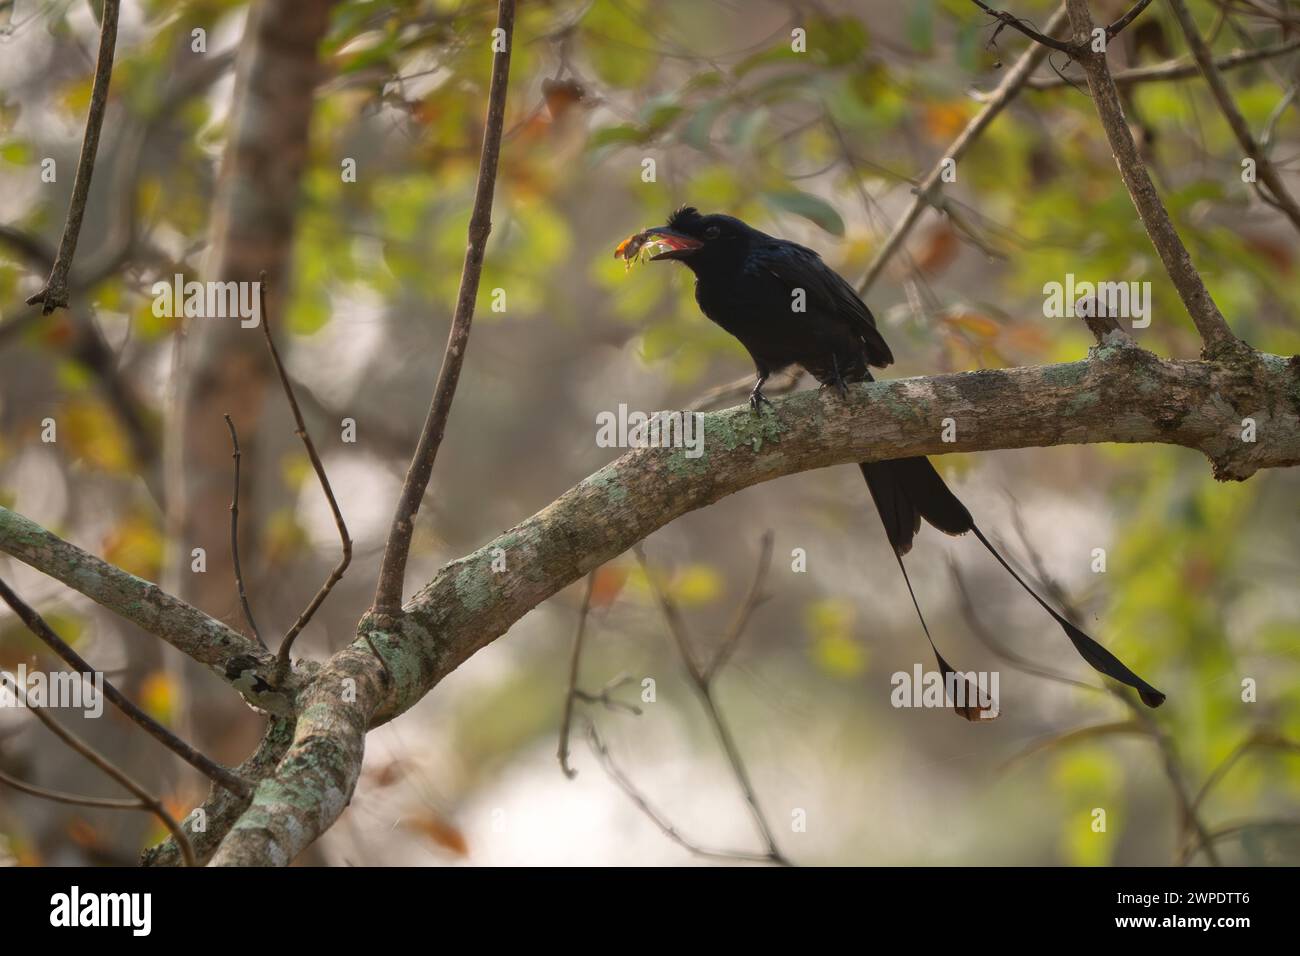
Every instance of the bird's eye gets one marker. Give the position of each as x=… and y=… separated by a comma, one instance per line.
x=712, y=232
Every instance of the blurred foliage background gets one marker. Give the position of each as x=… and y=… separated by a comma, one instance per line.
x=821, y=146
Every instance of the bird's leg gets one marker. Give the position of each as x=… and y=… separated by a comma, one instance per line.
x=837, y=380
x=756, y=398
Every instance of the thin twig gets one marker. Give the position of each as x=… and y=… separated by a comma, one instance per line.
x=234, y=537
x=753, y=598
x=668, y=830
x=345, y=539
x=71, y=799
x=606, y=696
x=1279, y=110
x=146, y=800
x=985, y=636
x=563, y=750
x=1016, y=23
x=701, y=681
x=925, y=193
x=1235, y=828
x=392, y=571
x=1140, y=719
x=1180, y=69
x=1200, y=305
x=1190, y=820
x=1262, y=739
x=1118, y=25
x=1277, y=194
x=55, y=293
x=204, y=765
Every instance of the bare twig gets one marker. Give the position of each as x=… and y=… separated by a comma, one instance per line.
x=1235, y=828
x=1090, y=732
x=563, y=751
x=985, y=635
x=345, y=539
x=1119, y=24
x=606, y=696
x=145, y=800
x=55, y=293
x=1010, y=20
x=124, y=244
x=1261, y=739
x=701, y=680
x=626, y=785
x=1279, y=110
x=1140, y=719
x=1180, y=69
x=205, y=765
x=1189, y=819
x=1277, y=194
x=753, y=598
x=924, y=194
x=234, y=537
x=392, y=571
x=1200, y=305
x=72, y=799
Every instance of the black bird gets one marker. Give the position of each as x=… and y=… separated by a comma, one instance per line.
x=748, y=282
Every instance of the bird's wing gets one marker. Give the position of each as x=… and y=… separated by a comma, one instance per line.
x=798, y=267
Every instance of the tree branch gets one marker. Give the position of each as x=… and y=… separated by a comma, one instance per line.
x=392, y=570
x=1010, y=20
x=702, y=675
x=234, y=537
x=222, y=808
x=932, y=185
x=1278, y=195
x=146, y=801
x=566, y=722
x=1200, y=305
x=55, y=293
x=227, y=652
x=300, y=429
x=1180, y=69
x=203, y=764
x=1122, y=394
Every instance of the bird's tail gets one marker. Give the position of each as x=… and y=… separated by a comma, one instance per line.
x=906, y=490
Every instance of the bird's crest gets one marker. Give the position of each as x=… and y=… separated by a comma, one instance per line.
x=683, y=217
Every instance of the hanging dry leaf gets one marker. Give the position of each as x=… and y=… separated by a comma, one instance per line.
x=439, y=831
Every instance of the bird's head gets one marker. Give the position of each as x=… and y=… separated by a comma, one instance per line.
x=699, y=241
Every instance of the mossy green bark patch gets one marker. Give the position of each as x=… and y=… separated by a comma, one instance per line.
x=1064, y=376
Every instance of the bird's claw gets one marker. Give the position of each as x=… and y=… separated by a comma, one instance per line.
x=757, y=400
x=841, y=389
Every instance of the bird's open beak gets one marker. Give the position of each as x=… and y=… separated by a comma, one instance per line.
x=678, y=244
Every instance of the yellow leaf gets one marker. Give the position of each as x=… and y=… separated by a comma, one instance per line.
x=696, y=584
x=135, y=545
x=158, y=696
x=93, y=434
x=830, y=625
x=974, y=323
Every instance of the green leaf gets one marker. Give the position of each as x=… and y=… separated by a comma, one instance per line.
x=920, y=25
x=17, y=151
x=813, y=208
x=696, y=132
x=658, y=113
x=615, y=136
